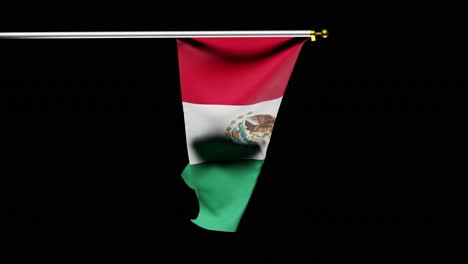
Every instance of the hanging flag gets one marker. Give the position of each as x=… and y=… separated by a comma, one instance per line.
x=231, y=92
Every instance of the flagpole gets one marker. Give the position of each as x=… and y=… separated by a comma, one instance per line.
x=163, y=34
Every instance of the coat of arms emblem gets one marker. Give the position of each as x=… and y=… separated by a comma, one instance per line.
x=250, y=129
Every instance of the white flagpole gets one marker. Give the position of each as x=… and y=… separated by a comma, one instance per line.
x=162, y=34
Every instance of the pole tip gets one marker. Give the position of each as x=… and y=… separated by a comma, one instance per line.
x=324, y=33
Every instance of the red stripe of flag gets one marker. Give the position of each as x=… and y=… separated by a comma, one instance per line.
x=236, y=71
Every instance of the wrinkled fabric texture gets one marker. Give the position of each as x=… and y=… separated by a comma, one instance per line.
x=231, y=90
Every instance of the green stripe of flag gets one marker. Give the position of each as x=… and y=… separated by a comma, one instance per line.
x=223, y=190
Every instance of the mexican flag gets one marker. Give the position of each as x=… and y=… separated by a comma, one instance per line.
x=231, y=92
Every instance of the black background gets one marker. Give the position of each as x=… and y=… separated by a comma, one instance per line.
x=362, y=167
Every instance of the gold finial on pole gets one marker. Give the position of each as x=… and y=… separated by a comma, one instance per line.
x=323, y=34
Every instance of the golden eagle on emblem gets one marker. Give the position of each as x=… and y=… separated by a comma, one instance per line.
x=251, y=129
